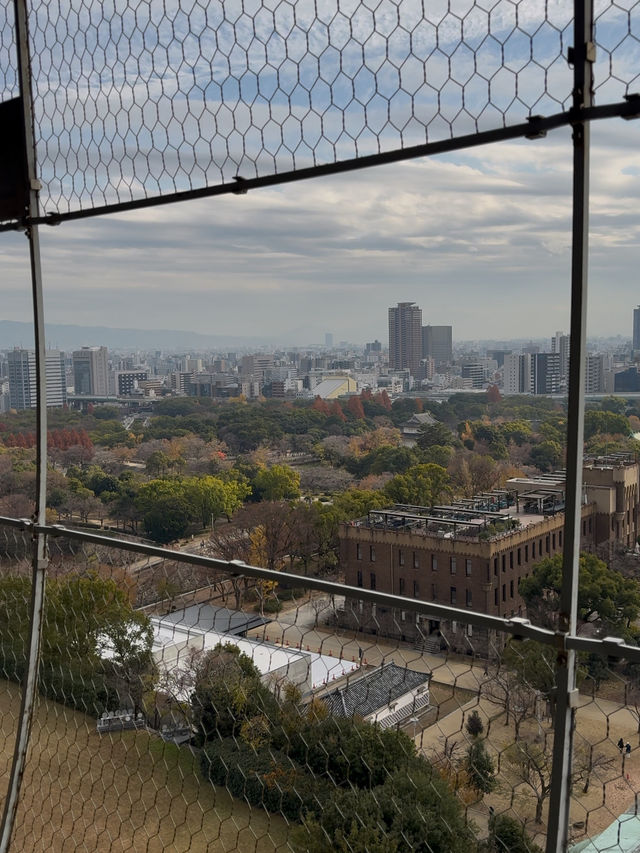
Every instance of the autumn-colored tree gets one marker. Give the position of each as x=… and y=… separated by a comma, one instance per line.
x=493, y=394
x=383, y=399
x=336, y=410
x=320, y=405
x=354, y=406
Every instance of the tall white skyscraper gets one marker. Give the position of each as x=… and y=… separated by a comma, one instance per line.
x=22, y=378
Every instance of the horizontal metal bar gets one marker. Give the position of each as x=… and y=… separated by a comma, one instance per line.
x=534, y=128
x=519, y=628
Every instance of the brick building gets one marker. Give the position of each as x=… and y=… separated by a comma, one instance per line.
x=473, y=553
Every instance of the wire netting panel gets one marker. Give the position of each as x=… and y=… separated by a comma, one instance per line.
x=8, y=61
x=183, y=708
x=139, y=99
x=617, y=38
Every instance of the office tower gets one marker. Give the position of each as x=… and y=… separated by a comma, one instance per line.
x=560, y=344
x=126, y=381
x=405, y=337
x=328, y=340
x=545, y=372
x=91, y=371
x=636, y=328
x=23, y=382
x=437, y=343
x=517, y=374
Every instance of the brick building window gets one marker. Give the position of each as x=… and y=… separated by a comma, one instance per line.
x=453, y=565
x=416, y=560
x=495, y=596
x=511, y=588
x=467, y=567
x=358, y=551
x=519, y=556
x=401, y=586
x=453, y=595
x=469, y=599
x=504, y=563
x=359, y=577
x=533, y=550
x=401, y=557
x=434, y=563
x=434, y=592
x=510, y=559
x=416, y=589
x=526, y=553
x=504, y=592
x=495, y=565
x=372, y=580
x=372, y=554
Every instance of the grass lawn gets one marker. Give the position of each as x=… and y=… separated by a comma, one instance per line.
x=120, y=792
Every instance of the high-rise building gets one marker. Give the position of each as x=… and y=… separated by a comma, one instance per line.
x=405, y=337
x=23, y=381
x=437, y=343
x=91, y=371
x=560, y=344
x=328, y=340
x=545, y=372
x=517, y=373
x=636, y=328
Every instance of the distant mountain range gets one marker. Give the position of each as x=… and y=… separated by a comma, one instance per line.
x=68, y=337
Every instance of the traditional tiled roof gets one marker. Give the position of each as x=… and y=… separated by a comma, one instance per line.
x=374, y=690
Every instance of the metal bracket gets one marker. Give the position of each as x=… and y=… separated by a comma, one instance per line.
x=573, y=697
x=535, y=132
x=589, y=53
x=241, y=189
x=518, y=620
x=634, y=100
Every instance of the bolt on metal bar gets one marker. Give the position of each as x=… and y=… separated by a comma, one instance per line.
x=39, y=560
x=582, y=57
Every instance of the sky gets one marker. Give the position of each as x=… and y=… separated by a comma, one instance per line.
x=480, y=239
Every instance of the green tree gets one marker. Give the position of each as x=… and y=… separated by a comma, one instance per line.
x=431, y=434
x=605, y=598
x=165, y=508
x=508, y=835
x=480, y=768
x=211, y=497
x=96, y=649
x=533, y=663
x=605, y=422
x=421, y=485
x=474, y=724
x=547, y=455
x=617, y=405
x=277, y=483
x=228, y=693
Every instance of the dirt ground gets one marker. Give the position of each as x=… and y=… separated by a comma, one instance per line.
x=614, y=783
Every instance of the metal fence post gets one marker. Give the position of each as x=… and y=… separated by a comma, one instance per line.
x=581, y=56
x=39, y=553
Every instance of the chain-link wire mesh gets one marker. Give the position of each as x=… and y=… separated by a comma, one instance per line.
x=182, y=708
x=135, y=100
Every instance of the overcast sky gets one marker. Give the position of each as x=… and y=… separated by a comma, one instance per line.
x=479, y=239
